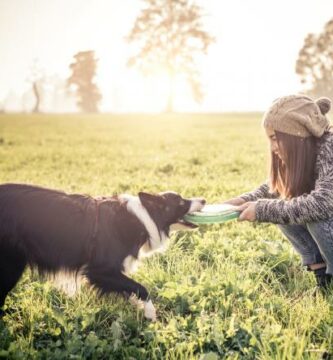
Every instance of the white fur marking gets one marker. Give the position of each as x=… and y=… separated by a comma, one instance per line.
x=150, y=311
x=157, y=240
x=130, y=264
x=67, y=282
x=147, y=306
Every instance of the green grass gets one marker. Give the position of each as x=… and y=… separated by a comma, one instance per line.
x=230, y=291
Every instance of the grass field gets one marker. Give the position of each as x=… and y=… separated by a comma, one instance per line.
x=231, y=291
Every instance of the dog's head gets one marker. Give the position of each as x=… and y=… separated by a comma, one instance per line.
x=168, y=209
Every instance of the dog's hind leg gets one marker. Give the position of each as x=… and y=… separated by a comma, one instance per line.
x=12, y=264
x=116, y=281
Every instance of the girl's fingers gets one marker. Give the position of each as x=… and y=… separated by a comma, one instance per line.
x=242, y=207
x=240, y=218
x=243, y=215
x=247, y=211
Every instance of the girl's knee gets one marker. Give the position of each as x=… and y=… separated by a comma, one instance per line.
x=321, y=228
x=322, y=232
x=292, y=230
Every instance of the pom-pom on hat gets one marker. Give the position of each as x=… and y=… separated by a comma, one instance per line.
x=298, y=115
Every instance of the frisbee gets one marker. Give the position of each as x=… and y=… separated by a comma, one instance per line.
x=213, y=214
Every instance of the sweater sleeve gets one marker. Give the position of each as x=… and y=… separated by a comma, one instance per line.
x=262, y=192
x=316, y=206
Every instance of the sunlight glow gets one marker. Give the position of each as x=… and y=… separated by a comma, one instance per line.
x=150, y=93
x=251, y=63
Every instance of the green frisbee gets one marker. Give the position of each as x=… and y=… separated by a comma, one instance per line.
x=213, y=214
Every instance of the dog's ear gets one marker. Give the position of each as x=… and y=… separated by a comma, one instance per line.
x=151, y=201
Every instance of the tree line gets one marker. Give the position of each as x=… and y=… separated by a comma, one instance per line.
x=169, y=35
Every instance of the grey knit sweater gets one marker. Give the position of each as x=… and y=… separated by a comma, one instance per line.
x=318, y=205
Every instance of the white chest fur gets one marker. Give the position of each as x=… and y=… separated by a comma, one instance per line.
x=135, y=207
x=130, y=264
x=157, y=241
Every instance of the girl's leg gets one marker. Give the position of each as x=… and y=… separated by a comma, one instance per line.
x=304, y=243
x=310, y=241
x=322, y=233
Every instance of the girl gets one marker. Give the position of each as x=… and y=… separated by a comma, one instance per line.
x=299, y=193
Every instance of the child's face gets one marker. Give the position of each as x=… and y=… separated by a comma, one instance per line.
x=273, y=142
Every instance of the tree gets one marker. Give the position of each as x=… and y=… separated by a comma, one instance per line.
x=170, y=34
x=315, y=62
x=83, y=73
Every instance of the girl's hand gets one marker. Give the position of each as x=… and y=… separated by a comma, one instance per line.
x=248, y=211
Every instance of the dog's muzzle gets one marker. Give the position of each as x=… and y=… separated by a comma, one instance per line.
x=196, y=205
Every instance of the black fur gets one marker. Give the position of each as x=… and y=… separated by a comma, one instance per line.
x=51, y=231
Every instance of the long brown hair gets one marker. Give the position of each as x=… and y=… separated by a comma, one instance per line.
x=294, y=175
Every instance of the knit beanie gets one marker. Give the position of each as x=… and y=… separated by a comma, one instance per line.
x=298, y=115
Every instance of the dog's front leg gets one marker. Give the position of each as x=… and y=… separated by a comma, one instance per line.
x=116, y=281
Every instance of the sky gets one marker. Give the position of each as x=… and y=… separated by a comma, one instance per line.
x=251, y=63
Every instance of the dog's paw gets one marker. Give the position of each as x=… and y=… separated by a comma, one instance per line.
x=150, y=311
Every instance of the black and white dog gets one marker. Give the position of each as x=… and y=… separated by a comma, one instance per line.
x=101, y=237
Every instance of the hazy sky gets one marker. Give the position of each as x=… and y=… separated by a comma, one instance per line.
x=251, y=63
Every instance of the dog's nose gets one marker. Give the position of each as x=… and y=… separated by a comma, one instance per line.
x=203, y=201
